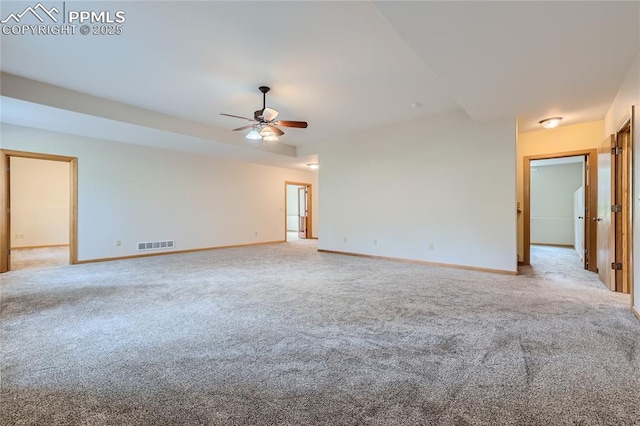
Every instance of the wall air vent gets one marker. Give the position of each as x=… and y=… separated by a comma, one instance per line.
x=156, y=245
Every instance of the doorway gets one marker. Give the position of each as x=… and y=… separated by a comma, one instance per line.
x=297, y=211
x=557, y=203
x=546, y=227
x=39, y=198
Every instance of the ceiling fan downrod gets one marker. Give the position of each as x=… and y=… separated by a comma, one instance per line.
x=264, y=90
x=258, y=114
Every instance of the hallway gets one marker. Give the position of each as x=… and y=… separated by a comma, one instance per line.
x=562, y=265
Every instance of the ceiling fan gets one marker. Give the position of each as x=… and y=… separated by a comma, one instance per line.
x=263, y=124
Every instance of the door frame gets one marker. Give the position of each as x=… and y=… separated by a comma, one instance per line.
x=309, y=207
x=592, y=176
x=5, y=203
x=625, y=179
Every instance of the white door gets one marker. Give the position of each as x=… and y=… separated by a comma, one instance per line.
x=302, y=212
x=578, y=222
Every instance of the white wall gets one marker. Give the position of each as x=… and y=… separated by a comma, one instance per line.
x=552, y=189
x=39, y=202
x=446, y=181
x=292, y=208
x=133, y=193
x=628, y=96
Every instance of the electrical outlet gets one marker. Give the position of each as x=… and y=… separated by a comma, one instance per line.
x=256, y=233
x=118, y=243
x=430, y=246
x=345, y=239
x=22, y=236
x=17, y=236
x=375, y=242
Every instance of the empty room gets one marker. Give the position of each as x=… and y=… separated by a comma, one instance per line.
x=319, y=213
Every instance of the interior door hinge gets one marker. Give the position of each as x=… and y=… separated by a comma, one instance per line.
x=616, y=265
x=616, y=150
x=586, y=250
x=616, y=208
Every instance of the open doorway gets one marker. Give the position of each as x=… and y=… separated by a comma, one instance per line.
x=297, y=211
x=39, y=197
x=557, y=205
x=560, y=191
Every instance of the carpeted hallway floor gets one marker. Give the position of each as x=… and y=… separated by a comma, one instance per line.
x=282, y=334
x=30, y=258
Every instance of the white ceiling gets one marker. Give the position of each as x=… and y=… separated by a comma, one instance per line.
x=345, y=67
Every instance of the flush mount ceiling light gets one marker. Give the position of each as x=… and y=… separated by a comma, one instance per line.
x=313, y=166
x=550, y=123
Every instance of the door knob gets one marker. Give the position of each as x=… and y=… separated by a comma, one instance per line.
x=597, y=219
x=580, y=217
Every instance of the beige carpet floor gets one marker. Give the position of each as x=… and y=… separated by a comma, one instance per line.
x=284, y=335
x=33, y=258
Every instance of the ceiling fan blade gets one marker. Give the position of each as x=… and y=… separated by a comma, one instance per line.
x=248, y=126
x=288, y=123
x=269, y=114
x=237, y=116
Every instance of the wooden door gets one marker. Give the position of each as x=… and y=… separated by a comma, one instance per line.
x=603, y=217
x=5, y=227
x=302, y=212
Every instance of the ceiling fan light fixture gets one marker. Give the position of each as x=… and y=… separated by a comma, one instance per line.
x=270, y=138
x=550, y=123
x=267, y=131
x=253, y=135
